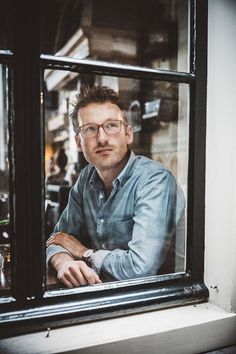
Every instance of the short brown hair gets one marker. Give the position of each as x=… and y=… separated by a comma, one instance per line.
x=95, y=94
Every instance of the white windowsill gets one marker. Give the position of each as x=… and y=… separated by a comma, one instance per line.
x=188, y=329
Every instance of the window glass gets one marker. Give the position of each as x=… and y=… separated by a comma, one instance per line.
x=4, y=187
x=159, y=114
x=152, y=33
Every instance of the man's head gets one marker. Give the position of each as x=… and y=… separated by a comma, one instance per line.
x=102, y=131
x=95, y=94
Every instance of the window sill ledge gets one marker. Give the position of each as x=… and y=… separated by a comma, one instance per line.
x=188, y=329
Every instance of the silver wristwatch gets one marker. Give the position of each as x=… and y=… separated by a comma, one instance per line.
x=86, y=255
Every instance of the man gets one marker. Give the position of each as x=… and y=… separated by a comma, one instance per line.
x=123, y=209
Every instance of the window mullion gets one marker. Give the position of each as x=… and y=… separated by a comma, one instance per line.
x=199, y=140
x=27, y=242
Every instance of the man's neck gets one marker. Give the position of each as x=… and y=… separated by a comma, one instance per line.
x=109, y=175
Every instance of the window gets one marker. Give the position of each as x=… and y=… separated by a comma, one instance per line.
x=154, y=54
x=158, y=112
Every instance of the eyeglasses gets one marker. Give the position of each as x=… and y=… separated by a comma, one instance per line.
x=110, y=127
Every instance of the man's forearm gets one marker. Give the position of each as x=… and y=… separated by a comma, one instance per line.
x=68, y=242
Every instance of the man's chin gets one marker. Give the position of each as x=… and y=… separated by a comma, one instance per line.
x=104, y=166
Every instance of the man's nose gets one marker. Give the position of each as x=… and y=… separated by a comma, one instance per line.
x=102, y=136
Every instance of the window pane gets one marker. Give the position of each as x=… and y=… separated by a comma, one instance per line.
x=4, y=187
x=152, y=33
x=159, y=114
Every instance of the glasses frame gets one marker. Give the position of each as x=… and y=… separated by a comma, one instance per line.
x=79, y=129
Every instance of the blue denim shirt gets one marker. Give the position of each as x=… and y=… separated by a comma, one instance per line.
x=131, y=230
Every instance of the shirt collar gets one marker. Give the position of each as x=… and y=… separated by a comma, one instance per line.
x=127, y=170
x=95, y=181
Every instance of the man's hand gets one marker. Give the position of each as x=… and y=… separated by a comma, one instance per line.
x=69, y=242
x=73, y=273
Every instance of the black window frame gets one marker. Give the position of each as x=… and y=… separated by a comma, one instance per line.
x=30, y=308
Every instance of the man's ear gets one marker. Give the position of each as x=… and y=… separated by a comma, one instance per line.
x=129, y=134
x=77, y=140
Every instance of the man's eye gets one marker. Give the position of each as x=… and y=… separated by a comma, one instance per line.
x=111, y=125
x=90, y=129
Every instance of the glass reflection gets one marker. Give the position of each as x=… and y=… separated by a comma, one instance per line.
x=158, y=113
x=5, y=255
x=152, y=33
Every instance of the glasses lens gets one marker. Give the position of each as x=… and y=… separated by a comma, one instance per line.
x=89, y=130
x=112, y=126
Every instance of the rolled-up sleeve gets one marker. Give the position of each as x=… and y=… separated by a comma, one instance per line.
x=71, y=221
x=155, y=219
x=52, y=250
x=97, y=259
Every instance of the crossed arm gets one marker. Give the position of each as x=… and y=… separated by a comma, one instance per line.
x=71, y=270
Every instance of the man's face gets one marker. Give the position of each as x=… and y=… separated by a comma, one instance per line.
x=103, y=151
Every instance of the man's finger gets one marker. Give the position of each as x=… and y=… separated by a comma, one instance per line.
x=89, y=274
x=79, y=276
x=65, y=281
x=73, y=280
x=50, y=241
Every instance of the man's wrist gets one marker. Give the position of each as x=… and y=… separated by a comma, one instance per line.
x=81, y=252
x=86, y=256
x=59, y=258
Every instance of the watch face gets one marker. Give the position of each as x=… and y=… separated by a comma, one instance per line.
x=88, y=253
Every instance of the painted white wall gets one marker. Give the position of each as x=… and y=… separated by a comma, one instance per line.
x=220, y=246
x=181, y=330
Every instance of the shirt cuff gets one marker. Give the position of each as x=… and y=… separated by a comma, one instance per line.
x=52, y=250
x=97, y=260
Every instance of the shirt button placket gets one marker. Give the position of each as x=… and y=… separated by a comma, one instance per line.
x=100, y=227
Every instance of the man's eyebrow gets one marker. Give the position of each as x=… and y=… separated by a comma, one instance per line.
x=107, y=119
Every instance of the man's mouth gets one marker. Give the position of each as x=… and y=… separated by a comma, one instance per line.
x=103, y=151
